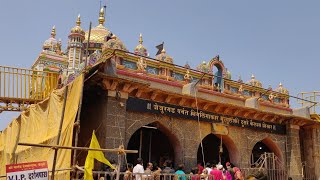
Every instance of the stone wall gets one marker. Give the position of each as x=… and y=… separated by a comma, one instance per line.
x=115, y=126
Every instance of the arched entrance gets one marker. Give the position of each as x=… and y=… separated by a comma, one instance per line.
x=259, y=149
x=211, y=150
x=270, y=149
x=153, y=145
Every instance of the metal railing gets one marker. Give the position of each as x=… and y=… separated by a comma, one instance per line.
x=271, y=174
x=311, y=96
x=104, y=175
x=24, y=86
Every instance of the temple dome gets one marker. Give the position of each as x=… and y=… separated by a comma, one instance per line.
x=163, y=56
x=254, y=82
x=140, y=49
x=281, y=89
x=99, y=32
x=77, y=28
x=52, y=44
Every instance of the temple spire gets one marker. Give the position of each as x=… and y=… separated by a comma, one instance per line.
x=140, y=39
x=101, y=17
x=53, y=32
x=78, y=21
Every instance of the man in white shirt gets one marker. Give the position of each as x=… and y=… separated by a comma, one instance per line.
x=208, y=167
x=138, y=169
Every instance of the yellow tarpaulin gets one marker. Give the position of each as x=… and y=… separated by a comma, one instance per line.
x=40, y=124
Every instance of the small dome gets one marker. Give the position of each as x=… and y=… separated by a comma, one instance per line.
x=114, y=43
x=163, y=56
x=281, y=89
x=77, y=28
x=254, y=82
x=203, y=67
x=228, y=74
x=52, y=44
x=140, y=49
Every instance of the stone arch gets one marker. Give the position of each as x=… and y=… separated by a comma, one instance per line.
x=272, y=146
x=165, y=128
x=215, y=62
x=234, y=153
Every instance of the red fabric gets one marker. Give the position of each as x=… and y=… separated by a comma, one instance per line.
x=195, y=177
x=200, y=169
x=217, y=174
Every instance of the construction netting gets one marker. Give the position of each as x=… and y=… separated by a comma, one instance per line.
x=40, y=125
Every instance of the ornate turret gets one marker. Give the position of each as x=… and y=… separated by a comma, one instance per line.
x=140, y=49
x=281, y=89
x=52, y=44
x=77, y=28
x=163, y=56
x=75, y=47
x=254, y=82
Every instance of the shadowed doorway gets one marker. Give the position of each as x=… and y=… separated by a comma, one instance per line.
x=211, y=149
x=153, y=146
x=259, y=149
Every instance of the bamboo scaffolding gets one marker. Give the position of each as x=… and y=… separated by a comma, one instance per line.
x=117, y=150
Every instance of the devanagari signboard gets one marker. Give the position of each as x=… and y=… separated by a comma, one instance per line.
x=26, y=171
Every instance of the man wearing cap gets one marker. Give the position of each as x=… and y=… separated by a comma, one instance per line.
x=229, y=168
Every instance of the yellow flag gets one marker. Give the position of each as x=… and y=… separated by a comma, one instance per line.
x=98, y=155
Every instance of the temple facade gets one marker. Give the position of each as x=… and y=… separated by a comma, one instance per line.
x=185, y=114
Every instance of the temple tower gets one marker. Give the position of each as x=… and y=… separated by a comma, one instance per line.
x=75, y=47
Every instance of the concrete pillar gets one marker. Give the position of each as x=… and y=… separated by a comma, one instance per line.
x=294, y=164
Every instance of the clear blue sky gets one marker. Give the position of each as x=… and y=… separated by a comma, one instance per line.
x=277, y=41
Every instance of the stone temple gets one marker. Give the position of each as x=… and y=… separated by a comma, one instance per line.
x=186, y=114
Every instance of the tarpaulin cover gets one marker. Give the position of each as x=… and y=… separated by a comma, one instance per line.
x=40, y=124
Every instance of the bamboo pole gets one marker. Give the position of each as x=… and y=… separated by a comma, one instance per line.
x=117, y=150
x=59, y=133
x=77, y=123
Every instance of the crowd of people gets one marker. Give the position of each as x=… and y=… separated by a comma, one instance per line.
x=211, y=171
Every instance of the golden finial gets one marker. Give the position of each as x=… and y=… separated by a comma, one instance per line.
x=78, y=21
x=101, y=17
x=163, y=50
x=140, y=39
x=280, y=85
x=53, y=32
x=252, y=76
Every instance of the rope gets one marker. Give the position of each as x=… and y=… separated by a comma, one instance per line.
x=195, y=96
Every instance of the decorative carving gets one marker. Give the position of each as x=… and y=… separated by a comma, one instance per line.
x=141, y=64
x=187, y=77
x=240, y=90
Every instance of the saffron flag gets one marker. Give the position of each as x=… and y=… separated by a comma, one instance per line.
x=98, y=155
